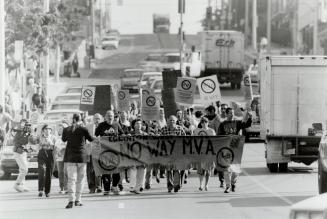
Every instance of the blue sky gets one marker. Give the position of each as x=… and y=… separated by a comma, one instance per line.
x=135, y=16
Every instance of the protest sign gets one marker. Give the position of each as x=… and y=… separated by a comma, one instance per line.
x=118, y=152
x=150, y=106
x=123, y=100
x=102, y=100
x=185, y=90
x=209, y=88
x=88, y=95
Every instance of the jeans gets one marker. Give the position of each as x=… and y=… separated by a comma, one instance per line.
x=62, y=174
x=230, y=178
x=137, y=177
x=173, y=179
x=76, y=177
x=93, y=181
x=221, y=176
x=106, y=180
x=45, y=168
x=21, y=160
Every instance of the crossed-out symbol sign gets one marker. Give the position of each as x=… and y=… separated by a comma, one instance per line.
x=208, y=86
x=202, y=133
x=121, y=95
x=151, y=101
x=88, y=93
x=186, y=84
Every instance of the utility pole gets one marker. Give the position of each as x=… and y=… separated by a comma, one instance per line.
x=107, y=15
x=92, y=21
x=246, y=25
x=294, y=27
x=46, y=67
x=269, y=26
x=181, y=11
x=2, y=55
x=102, y=5
x=254, y=25
x=315, y=28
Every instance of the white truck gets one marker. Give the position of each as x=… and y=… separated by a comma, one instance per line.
x=223, y=55
x=293, y=108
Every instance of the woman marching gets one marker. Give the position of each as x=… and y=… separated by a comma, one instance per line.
x=205, y=168
x=45, y=159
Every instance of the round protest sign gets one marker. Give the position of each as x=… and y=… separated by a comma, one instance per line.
x=208, y=86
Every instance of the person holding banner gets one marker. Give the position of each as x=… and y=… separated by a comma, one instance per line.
x=232, y=127
x=173, y=175
x=204, y=169
x=137, y=173
x=75, y=159
x=109, y=128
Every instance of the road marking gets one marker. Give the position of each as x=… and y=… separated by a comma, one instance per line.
x=275, y=194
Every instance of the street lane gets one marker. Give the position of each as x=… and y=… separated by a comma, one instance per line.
x=258, y=192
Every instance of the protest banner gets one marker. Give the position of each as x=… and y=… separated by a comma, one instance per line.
x=113, y=154
x=123, y=100
x=150, y=106
x=209, y=88
x=185, y=90
x=102, y=99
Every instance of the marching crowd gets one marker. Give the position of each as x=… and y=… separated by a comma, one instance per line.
x=69, y=147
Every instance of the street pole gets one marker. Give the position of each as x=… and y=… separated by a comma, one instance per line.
x=2, y=55
x=46, y=66
x=254, y=25
x=92, y=47
x=101, y=17
x=315, y=28
x=268, y=26
x=246, y=25
x=181, y=38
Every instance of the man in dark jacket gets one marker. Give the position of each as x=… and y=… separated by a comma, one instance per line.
x=75, y=159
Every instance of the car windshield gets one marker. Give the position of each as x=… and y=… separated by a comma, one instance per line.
x=170, y=59
x=131, y=74
x=67, y=98
x=64, y=106
x=153, y=58
x=157, y=85
x=74, y=90
x=59, y=116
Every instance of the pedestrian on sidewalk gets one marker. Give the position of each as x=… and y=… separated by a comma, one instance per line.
x=75, y=159
x=45, y=159
x=20, y=154
x=62, y=171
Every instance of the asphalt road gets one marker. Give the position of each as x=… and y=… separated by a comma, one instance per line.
x=259, y=194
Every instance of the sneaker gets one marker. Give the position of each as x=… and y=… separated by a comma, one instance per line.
x=40, y=194
x=92, y=191
x=134, y=191
x=78, y=203
x=147, y=187
x=106, y=193
x=221, y=185
x=115, y=190
x=227, y=190
x=69, y=205
x=25, y=189
x=98, y=190
x=206, y=188
x=169, y=190
x=120, y=186
x=233, y=188
x=141, y=189
x=47, y=195
x=157, y=179
x=62, y=192
x=200, y=188
x=18, y=188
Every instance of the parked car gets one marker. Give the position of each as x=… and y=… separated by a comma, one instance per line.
x=252, y=73
x=68, y=97
x=322, y=164
x=149, y=77
x=59, y=115
x=152, y=62
x=65, y=105
x=129, y=80
x=110, y=42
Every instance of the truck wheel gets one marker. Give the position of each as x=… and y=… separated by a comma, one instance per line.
x=232, y=85
x=322, y=179
x=273, y=167
x=238, y=86
x=6, y=175
x=283, y=167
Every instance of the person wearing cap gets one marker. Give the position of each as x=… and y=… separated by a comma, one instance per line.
x=20, y=154
x=45, y=159
x=205, y=168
